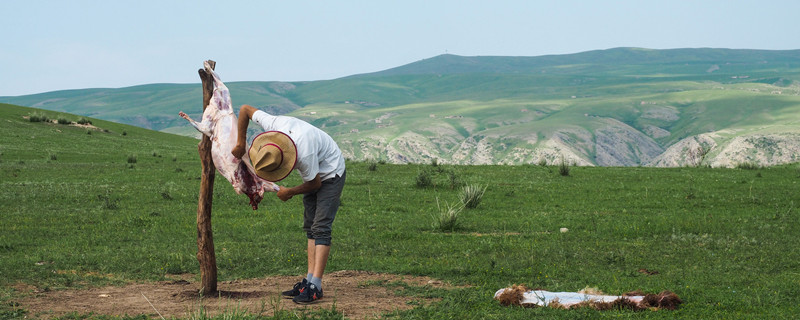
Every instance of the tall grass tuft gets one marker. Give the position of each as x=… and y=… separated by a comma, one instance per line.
x=447, y=217
x=472, y=195
x=372, y=166
x=131, y=158
x=563, y=167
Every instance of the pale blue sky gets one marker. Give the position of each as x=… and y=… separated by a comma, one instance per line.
x=56, y=45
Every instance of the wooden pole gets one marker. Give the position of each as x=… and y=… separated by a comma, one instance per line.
x=205, y=239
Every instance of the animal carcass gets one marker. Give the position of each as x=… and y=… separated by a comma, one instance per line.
x=219, y=123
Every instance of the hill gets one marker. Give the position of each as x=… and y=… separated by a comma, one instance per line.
x=615, y=107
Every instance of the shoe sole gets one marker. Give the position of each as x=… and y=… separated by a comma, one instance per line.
x=306, y=303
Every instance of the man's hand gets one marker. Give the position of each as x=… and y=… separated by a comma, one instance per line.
x=284, y=194
x=238, y=151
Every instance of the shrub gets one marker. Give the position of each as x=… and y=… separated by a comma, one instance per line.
x=747, y=165
x=132, y=158
x=84, y=121
x=165, y=194
x=434, y=162
x=424, y=179
x=63, y=121
x=53, y=156
x=472, y=195
x=124, y=133
x=542, y=162
x=108, y=202
x=372, y=166
x=447, y=217
x=455, y=181
x=38, y=117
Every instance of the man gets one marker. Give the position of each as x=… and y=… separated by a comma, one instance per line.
x=289, y=143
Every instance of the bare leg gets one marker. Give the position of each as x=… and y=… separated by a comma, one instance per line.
x=311, y=255
x=321, y=259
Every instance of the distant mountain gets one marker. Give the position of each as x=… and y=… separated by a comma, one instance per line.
x=615, y=107
x=600, y=59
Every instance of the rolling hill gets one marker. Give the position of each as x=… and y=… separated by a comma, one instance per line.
x=615, y=107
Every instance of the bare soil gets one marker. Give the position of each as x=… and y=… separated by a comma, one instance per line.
x=356, y=294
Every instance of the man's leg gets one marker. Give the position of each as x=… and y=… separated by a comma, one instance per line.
x=325, y=202
x=320, y=259
x=312, y=256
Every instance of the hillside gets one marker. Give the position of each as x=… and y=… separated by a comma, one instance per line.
x=615, y=107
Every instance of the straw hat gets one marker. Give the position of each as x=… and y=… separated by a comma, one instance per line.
x=273, y=155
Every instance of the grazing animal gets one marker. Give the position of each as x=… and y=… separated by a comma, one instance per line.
x=219, y=123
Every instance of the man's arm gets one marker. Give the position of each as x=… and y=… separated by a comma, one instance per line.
x=308, y=186
x=245, y=114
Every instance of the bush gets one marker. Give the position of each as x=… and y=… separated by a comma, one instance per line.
x=542, y=162
x=84, y=121
x=747, y=165
x=38, y=117
x=53, y=156
x=424, y=179
x=455, y=181
x=132, y=158
x=63, y=121
x=472, y=195
x=372, y=166
x=108, y=202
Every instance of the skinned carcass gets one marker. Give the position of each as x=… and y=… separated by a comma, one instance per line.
x=219, y=123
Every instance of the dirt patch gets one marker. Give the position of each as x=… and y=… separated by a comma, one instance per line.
x=356, y=294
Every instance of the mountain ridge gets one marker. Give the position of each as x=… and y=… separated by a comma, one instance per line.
x=613, y=107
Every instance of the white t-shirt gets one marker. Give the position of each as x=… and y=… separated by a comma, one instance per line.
x=317, y=153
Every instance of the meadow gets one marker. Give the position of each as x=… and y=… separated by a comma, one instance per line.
x=85, y=207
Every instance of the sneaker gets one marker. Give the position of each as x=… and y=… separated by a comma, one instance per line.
x=296, y=290
x=310, y=295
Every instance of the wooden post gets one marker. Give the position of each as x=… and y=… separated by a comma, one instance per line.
x=205, y=239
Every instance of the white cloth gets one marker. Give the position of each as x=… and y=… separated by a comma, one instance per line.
x=317, y=153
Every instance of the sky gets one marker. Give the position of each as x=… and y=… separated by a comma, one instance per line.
x=59, y=45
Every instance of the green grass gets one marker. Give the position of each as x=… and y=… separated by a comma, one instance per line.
x=725, y=240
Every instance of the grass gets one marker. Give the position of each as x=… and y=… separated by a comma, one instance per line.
x=472, y=195
x=731, y=250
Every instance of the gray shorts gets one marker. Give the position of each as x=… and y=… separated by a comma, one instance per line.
x=320, y=209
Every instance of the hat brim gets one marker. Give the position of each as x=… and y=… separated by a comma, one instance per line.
x=286, y=145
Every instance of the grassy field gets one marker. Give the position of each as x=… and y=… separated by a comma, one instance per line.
x=91, y=207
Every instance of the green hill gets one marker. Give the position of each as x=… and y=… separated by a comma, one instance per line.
x=615, y=107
